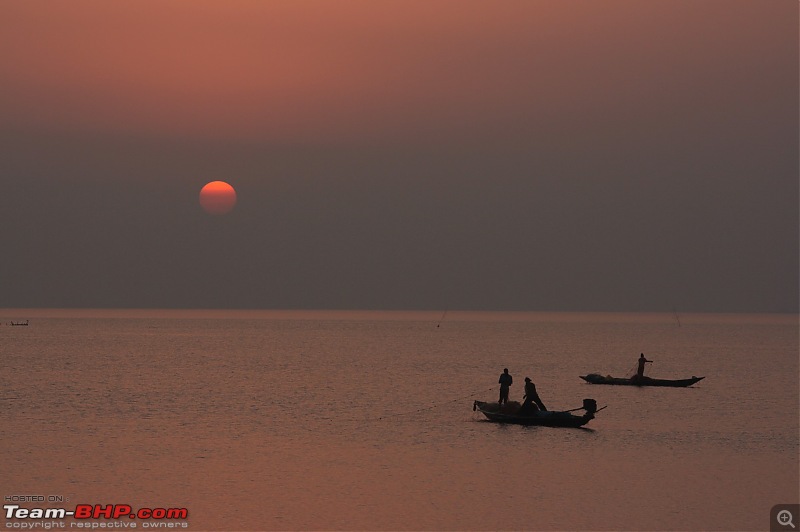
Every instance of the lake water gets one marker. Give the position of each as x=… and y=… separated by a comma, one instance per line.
x=364, y=421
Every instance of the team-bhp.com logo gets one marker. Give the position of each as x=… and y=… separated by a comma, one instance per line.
x=96, y=512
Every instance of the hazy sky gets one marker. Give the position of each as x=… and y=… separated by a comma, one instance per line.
x=510, y=155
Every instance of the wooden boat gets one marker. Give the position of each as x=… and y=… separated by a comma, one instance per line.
x=507, y=413
x=594, y=378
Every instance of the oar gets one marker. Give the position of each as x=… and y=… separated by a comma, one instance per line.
x=582, y=408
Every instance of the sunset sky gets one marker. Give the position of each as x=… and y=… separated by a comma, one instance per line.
x=514, y=155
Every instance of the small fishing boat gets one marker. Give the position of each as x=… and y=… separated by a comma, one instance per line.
x=595, y=378
x=507, y=413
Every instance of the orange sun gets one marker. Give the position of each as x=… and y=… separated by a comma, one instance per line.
x=217, y=197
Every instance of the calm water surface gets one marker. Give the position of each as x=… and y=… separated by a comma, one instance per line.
x=364, y=421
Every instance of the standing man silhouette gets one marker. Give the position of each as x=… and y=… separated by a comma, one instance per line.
x=640, y=369
x=505, y=382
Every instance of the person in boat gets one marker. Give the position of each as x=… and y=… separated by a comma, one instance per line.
x=505, y=383
x=531, y=402
x=640, y=369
